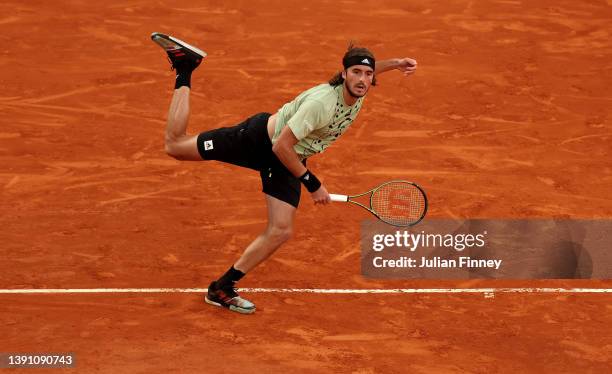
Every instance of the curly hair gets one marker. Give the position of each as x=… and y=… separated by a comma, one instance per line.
x=352, y=50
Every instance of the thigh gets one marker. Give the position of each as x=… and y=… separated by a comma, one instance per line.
x=223, y=144
x=240, y=145
x=279, y=183
x=280, y=213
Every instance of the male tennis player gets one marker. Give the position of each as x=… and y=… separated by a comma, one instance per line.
x=276, y=145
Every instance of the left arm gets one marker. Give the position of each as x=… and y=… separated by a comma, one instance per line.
x=405, y=65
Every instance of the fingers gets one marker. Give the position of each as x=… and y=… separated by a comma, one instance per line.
x=321, y=196
x=408, y=67
x=323, y=201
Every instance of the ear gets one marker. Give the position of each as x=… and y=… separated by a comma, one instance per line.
x=343, y=74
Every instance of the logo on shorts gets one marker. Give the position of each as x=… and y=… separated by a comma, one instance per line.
x=208, y=145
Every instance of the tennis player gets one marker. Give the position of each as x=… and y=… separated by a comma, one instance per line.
x=276, y=145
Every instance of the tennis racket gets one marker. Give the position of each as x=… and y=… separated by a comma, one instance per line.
x=398, y=203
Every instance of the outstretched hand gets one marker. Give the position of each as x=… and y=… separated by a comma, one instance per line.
x=407, y=66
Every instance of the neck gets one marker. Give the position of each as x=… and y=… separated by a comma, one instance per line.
x=348, y=98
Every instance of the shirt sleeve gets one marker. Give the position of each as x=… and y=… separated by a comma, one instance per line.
x=307, y=119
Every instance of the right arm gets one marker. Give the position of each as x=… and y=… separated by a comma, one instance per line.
x=283, y=149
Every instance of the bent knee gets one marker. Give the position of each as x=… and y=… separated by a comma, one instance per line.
x=172, y=150
x=280, y=234
x=184, y=148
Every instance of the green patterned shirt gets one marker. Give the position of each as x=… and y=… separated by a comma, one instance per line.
x=317, y=117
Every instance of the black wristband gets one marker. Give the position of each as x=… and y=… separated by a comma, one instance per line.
x=310, y=181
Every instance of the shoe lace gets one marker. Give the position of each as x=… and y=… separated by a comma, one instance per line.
x=231, y=292
x=171, y=63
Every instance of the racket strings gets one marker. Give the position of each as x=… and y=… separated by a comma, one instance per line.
x=399, y=203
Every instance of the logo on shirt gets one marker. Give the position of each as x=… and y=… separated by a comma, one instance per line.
x=208, y=145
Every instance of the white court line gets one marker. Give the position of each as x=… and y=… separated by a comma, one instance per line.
x=308, y=290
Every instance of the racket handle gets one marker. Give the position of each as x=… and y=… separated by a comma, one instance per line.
x=336, y=197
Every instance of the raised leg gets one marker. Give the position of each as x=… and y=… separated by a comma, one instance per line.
x=179, y=144
x=185, y=59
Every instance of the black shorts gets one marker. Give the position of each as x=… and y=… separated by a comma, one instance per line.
x=248, y=145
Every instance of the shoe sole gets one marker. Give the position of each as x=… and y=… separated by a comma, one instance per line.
x=168, y=42
x=233, y=308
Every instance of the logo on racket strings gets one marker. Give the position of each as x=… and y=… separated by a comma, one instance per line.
x=399, y=200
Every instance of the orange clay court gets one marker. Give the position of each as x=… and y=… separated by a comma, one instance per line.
x=508, y=116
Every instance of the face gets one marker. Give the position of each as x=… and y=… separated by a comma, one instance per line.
x=358, y=79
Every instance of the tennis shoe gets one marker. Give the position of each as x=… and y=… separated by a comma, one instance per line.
x=227, y=297
x=182, y=56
